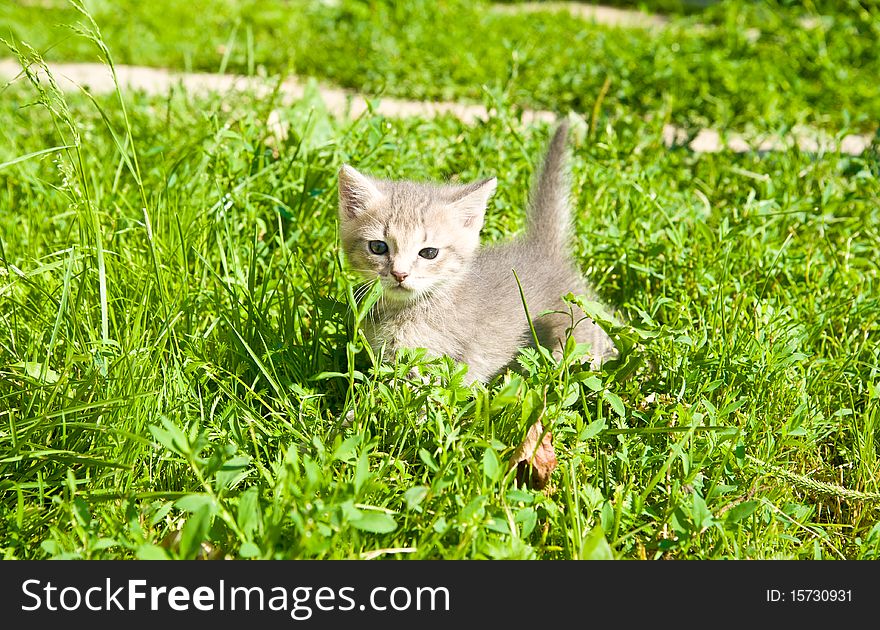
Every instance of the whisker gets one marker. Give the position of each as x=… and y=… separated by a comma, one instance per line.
x=361, y=291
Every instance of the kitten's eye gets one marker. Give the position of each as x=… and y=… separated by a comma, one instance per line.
x=429, y=252
x=378, y=247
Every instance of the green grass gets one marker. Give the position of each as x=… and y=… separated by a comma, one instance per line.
x=178, y=352
x=824, y=75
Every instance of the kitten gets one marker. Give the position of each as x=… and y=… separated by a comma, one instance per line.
x=442, y=292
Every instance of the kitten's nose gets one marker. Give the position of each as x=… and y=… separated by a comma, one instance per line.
x=400, y=276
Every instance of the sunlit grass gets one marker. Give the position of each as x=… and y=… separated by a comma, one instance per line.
x=179, y=367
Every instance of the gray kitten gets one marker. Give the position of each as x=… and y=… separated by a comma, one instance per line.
x=442, y=292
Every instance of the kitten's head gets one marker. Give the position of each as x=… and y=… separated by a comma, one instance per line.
x=415, y=237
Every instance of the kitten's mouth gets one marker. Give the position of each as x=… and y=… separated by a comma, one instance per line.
x=399, y=289
x=399, y=292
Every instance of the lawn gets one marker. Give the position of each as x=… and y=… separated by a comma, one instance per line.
x=181, y=370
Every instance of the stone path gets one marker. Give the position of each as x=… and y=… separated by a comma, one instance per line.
x=97, y=79
x=609, y=16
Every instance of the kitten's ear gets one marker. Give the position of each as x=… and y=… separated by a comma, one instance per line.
x=470, y=201
x=356, y=192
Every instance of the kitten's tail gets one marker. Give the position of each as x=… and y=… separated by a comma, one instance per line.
x=549, y=219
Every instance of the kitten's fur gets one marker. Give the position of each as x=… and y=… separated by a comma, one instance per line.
x=465, y=303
